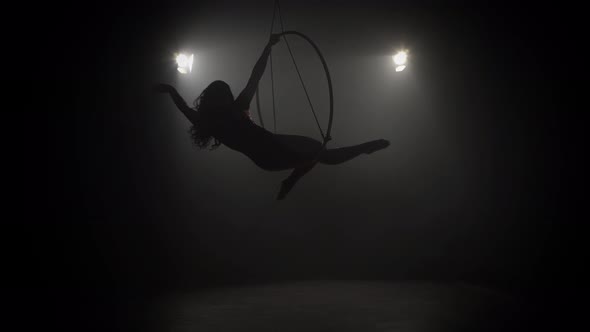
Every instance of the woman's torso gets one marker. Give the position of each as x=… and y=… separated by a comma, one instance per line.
x=236, y=130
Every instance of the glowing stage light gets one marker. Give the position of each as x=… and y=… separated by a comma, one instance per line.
x=185, y=63
x=400, y=60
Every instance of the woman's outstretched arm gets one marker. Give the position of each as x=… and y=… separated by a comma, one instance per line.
x=190, y=113
x=245, y=97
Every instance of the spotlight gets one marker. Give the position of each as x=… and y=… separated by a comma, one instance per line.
x=400, y=60
x=185, y=63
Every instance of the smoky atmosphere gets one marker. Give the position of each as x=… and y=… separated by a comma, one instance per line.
x=381, y=166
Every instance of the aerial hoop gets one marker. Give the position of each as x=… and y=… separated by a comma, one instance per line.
x=301, y=170
x=327, y=137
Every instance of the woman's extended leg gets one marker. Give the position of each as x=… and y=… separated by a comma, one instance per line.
x=330, y=157
x=340, y=155
x=309, y=147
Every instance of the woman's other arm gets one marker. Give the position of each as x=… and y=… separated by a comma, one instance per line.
x=190, y=113
x=245, y=97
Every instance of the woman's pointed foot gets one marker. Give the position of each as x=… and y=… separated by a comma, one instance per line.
x=286, y=186
x=376, y=145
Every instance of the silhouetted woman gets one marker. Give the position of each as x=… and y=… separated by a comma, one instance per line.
x=219, y=118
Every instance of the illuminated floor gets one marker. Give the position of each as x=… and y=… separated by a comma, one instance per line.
x=343, y=306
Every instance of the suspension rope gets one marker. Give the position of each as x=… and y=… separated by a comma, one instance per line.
x=258, y=107
x=272, y=80
x=272, y=86
x=297, y=69
x=326, y=137
x=274, y=13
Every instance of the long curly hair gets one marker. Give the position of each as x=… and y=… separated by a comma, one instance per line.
x=208, y=105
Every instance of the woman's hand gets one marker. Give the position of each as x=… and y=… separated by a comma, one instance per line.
x=164, y=88
x=274, y=38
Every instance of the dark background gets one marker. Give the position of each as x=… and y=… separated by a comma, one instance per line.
x=476, y=186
